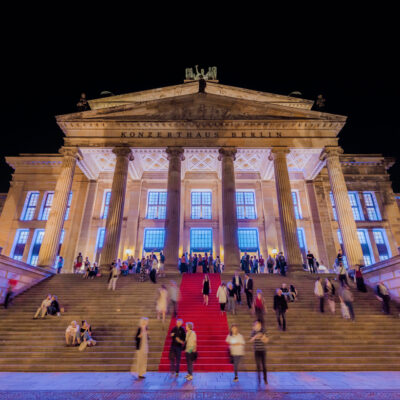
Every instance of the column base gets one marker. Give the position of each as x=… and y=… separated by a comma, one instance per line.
x=231, y=268
x=171, y=268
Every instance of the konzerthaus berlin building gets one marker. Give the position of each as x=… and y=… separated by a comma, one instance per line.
x=185, y=168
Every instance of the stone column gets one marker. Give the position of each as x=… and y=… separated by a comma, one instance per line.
x=54, y=225
x=173, y=214
x=286, y=209
x=229, y=216
x=347, y=225
x=116, y=209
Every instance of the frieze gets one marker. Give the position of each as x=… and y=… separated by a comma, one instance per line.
x=199, y=135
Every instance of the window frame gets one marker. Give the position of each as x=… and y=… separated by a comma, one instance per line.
x=375, y=205
x=104, y=205
x=368, y=243
x=298, y=205
x=386, y=242
x=15, y=243
x=158, y=205
x=33, y=243
x=153, y=249
x=201, y=249
x=201, y=205
x=27, y=206
x=249, y=249
x=44, y=207
x=244, y=204
x=358, y=205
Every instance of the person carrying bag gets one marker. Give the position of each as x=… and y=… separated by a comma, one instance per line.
x=190, y=348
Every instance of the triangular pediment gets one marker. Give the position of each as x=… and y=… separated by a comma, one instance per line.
x=199, y=106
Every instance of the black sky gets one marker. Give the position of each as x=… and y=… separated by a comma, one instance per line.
x=353, y=64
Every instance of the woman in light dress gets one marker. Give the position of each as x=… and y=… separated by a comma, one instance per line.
x=162, y=302
x=222, y=296
x=142, y=346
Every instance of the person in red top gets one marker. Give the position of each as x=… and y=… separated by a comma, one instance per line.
x=360, y=280
x=261, y=263
x=259, y=307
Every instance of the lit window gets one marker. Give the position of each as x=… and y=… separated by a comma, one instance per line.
x=201, y=240
x=35, y=247
x=372, y=207
x=48, y=201
x=365, y=246
x=245, y=205
x=106, y=204
x=21, y=237
x=248, y=240
x=296, y=205
x=382, y=244
x=101, y=233
x=30, y=206
x=154, y=239
x=342, y=247
x=302, y=242
x=68, y=205
x=333, y=206
x=156, y=205
x=201, y=205
x=356, y=206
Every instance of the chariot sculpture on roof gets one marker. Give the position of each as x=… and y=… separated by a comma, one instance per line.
x=210, y=75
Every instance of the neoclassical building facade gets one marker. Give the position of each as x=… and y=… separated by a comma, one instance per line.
x=223, y=170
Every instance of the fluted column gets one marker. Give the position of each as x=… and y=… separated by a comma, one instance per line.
x=55, y=222
x=116, y=208
x=286, y=210
x=347, y=225
x=229, y=216
x=173, y=214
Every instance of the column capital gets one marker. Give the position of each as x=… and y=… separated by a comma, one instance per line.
x=278, y=151
x=73, y=152
x=175, y=152
x=330, y=152
x=227, y=152
x=123, y=151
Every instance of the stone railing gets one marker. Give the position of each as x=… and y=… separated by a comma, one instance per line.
x=23, y=274
x=388, y=272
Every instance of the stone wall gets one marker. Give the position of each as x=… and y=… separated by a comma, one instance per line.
x=387, y=271
x=26, y=275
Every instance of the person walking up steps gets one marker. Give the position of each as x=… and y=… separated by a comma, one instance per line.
x=162, y=302
x=236, y=349
x=231, y=298
x=329, y=290
x=206, y=289
x=178, y=335
x=142, y=347
x=222, y=297
x=190, y=349
x=259, y=340
x=319, y=292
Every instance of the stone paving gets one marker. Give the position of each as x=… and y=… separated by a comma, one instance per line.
x=123, y=386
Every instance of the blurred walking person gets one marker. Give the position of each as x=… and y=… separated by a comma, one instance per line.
x=206, y=289
x=142, y=347
x=319, y=292
x=280, y=307
x=162, y=302
x=347, y=298
x=222, y=296
x=329, y=290
x=190, y=349
x=236, y=349
x=259, y=340
x=259, y=308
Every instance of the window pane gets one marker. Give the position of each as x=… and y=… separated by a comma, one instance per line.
x=206, y=212
x=162, y=198
x=201, y=239
x=196, y=212
x=248, y=239
x=249, y=197
x=371, y=206
x=68, y=205
x=196, y=198
x=206, y=198
x=364, y=246
x=381, y=244
x=250, y=212
x=38, y=239
x=162, y=212
x=153, y=198
x=152, y=212
x=300, y=236
x=156, y=205
x=100, y=237
x=21, y=237
x=240, y=212
x=154, y=239
x=239, y=198
x=47, y=206
x=31, y=203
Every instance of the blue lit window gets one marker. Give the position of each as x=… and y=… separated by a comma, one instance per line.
x=356, y=206
x=21, y=237
x=365, y=246
x=48, y=201
x=106, y=204
x=201, y=205
x=35, y=247
x=101, y=233
x=302, y=242
x=372, y=207
x=68, y=205
x=154, y=239
x=382, y=244
x=342, y=247
x=201, y=240
x=248, y=240
x=30, y=206
x=156, y=205
x=333, y=206
x=296, y=205
x=245, y=205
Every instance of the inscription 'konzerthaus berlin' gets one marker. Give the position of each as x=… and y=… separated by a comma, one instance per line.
x=222, y=170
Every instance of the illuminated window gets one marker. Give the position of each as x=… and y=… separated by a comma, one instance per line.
x=156, y=205
x=333, y=206
x=296, y=205
x=248, y=240
x=21, y=237
x=201, y=240
x=382, y=244
x=35, y=247
x=342, y=247
x=201, y=205
x=372, y=206
x=302, y=242
x=48, y=201
x=154, y=239
x=355, y=206
x=365, y=246
x=68, y=205
x=101, y=233
x=30, y=206
x=106, y=204
x=245, y=205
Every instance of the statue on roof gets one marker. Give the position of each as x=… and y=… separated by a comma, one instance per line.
x=197, y=75
x=83, y=104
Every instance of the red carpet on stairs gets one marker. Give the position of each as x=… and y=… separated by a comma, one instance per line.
x=210, y=326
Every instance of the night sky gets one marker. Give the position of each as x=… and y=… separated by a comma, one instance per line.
x=46, y=72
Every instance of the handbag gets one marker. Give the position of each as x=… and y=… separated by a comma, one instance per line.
x=83, y=345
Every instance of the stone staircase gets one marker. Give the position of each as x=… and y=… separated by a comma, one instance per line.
x=322, y=342
x=39, y=345
x=313, y=342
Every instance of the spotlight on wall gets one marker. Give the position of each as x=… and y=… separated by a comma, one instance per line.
x=128, y=252
x=274, y=251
